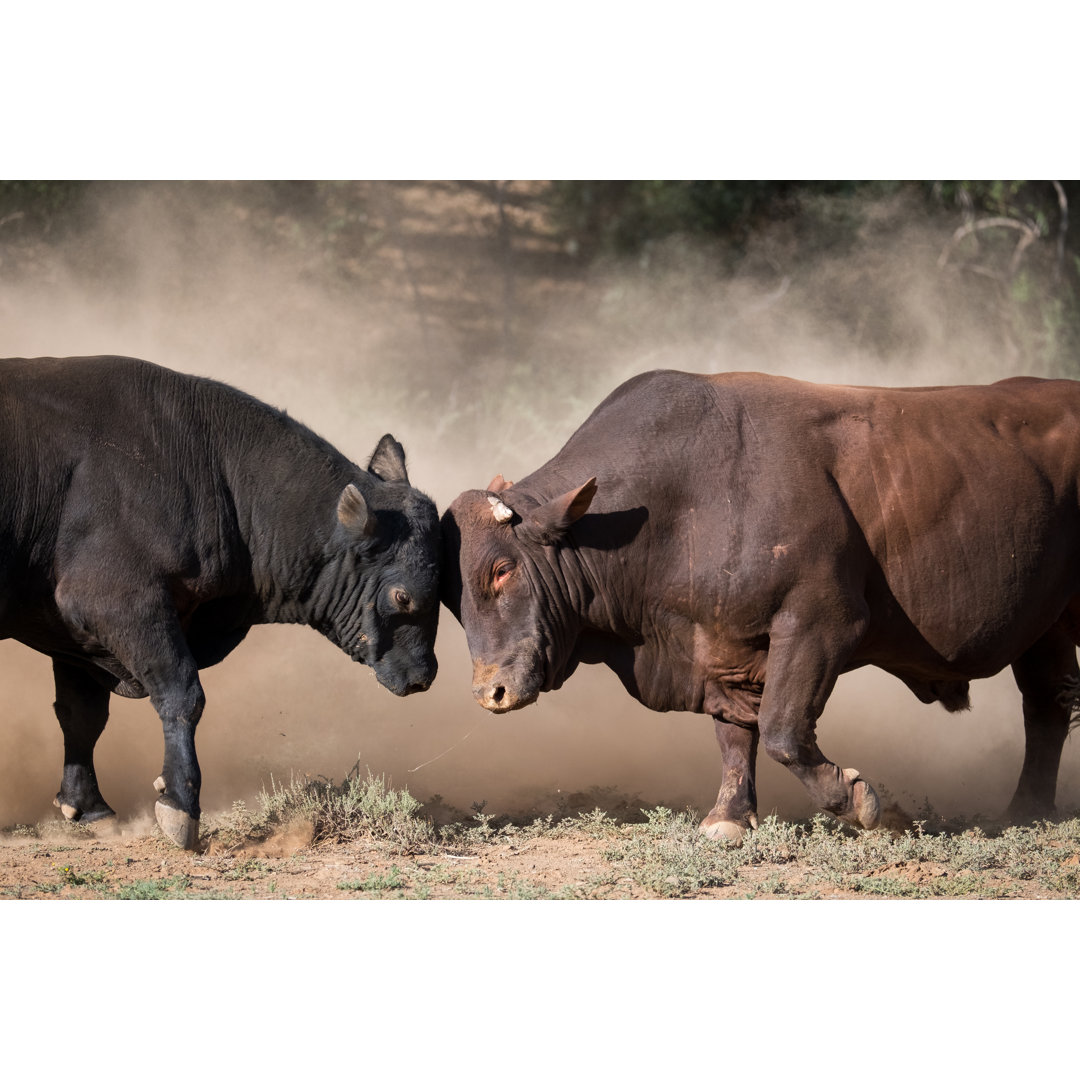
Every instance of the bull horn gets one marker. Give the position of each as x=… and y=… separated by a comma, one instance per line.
x=501, y=511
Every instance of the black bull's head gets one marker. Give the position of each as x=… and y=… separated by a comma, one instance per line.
x=509, y=581
x=377, y=596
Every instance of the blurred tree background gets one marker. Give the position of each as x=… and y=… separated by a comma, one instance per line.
x=1002, y=247
x=1012, y=235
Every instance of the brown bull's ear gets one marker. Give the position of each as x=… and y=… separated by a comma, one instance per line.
x=388, y=461
x=499, y=484
x=553, y=518
x=354, y=513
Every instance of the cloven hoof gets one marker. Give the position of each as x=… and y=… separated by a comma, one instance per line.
x=182, y=829
x=866, y=808
x=730, y=831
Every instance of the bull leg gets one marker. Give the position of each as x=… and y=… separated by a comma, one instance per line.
x=1049, y=680
x=82, y=707
x=805, y=659
x=139, y=628
x=178, y=698
x=736, y=806
x=155, y=652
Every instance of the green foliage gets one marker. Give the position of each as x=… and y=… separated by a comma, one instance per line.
x=176, y=887
x=70, y=876
x=376, y=882
x=247, y=870
x=622, y=215
x=1034, y=200
x=670, y=857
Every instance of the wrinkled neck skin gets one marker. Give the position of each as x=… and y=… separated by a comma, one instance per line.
x=288, y=528
x=304, y=568
x=564, y=593
x=600, y=604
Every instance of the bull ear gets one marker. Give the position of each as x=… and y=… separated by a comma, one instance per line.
x=498, y=484
x=388, y=461
x=354, y=513
x=553, y=518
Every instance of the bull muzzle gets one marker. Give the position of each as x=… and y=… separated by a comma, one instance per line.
x=495, y=689
x=414, y=680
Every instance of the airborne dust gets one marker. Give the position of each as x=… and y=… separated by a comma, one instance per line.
x=473, y=335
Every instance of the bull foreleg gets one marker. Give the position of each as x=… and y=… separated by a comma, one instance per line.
x=805, y=659
x=1049, y=681
x=736, y=806
x=82, y=707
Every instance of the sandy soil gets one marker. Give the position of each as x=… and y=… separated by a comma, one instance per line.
x=131, y=860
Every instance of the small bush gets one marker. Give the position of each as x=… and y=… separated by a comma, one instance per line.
x=361, y=807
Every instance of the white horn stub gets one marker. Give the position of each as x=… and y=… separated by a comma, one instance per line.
x=501, y=511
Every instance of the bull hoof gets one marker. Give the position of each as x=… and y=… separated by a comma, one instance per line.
x=182, y=829
x=865, y=806
x=731, y=832
x=84, y=817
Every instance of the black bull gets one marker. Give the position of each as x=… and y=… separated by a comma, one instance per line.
x=731, y=544
x=148, y=519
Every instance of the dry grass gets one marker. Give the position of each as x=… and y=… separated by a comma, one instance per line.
x=362, y=839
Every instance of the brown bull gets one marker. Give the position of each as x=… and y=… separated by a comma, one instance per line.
x=730, y=544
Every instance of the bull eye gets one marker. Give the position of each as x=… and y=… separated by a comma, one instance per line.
x=500, y=573
x=402, y=600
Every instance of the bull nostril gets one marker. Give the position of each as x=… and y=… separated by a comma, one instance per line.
x=497, y=694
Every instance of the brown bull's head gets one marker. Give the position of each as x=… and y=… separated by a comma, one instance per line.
x=508, y=577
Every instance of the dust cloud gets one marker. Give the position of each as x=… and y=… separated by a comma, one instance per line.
x=478, y=341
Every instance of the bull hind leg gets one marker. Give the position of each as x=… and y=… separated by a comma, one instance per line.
x=179, y=701
x=1049, y=682
x=153, y=649
x=736, y=805
x=82, y=707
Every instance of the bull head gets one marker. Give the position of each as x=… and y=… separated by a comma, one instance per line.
x=507, y=590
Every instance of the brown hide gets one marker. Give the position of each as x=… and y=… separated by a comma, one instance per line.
x=751, y=537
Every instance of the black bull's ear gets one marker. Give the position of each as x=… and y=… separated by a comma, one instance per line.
x=551, y=520
x=354, y=513
x=388, y=461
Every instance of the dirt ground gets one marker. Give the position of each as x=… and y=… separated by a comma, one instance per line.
x=87, y=864
x=568, y=860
